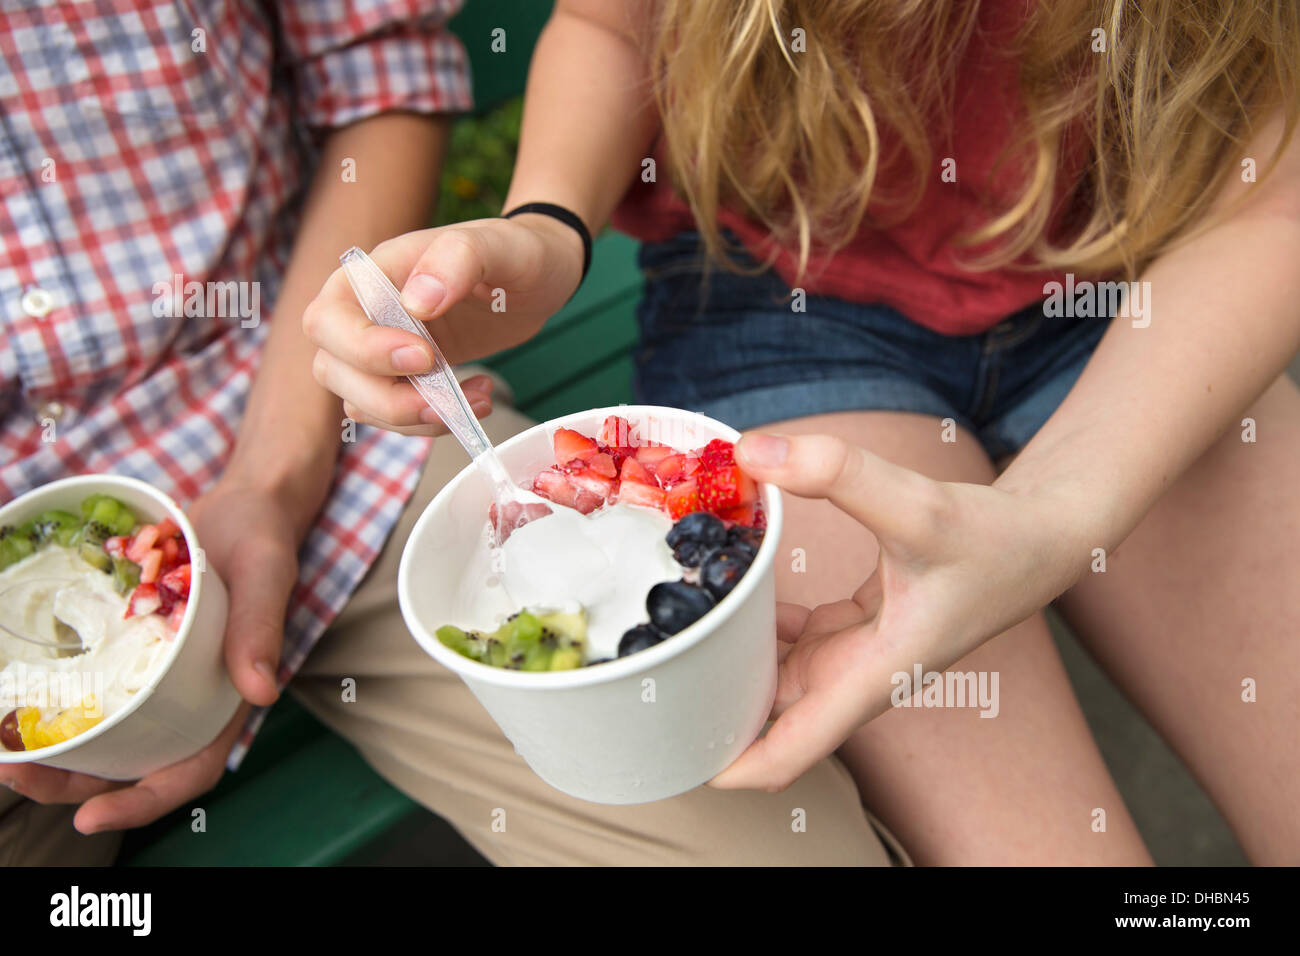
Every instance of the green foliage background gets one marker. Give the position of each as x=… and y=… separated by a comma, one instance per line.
x=479, y=164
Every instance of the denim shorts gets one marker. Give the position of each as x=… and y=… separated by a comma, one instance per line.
x=734, y=349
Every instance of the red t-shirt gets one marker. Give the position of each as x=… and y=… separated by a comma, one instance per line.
x=913, y=266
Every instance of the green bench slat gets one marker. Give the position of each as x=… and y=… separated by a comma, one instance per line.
x=608, y=385
x=320, y=804
x=550, y=364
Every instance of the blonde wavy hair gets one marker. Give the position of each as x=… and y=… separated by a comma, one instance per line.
x=794, y=139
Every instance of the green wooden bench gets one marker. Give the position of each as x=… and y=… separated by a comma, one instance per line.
x=304, y=796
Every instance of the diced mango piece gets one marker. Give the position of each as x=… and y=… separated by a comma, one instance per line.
x=63, y=726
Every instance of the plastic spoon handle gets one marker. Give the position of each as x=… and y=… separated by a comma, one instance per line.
x=383, y=304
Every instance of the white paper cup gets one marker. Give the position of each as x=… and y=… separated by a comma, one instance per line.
x=644, y=727
x=190, y=698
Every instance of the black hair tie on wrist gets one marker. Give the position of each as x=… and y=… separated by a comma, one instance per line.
x=564, y=216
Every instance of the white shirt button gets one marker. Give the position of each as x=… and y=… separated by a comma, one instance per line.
x=50, y=411
x=37, y=303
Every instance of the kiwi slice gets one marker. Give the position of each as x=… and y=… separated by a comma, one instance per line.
x=126, y=575
x=93, y=554
x=536, y=640
x=17, y=543
x=59, y=527
x=102, y=517
x=106, y=511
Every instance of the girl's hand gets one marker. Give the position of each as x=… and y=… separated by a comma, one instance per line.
x=481, y=286
x=959, y=564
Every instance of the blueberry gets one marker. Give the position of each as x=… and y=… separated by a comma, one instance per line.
x=676, y=605
x=745, y=538
x=637, y=639
x=694, y=536
x=723, y=569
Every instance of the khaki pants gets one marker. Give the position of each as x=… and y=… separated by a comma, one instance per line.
x=421, y=728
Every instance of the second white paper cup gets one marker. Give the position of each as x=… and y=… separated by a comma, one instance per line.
x=190, y=699
x=640, y=728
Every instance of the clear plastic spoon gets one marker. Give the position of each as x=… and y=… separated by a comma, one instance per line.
x=71, y=645
x=382, y=303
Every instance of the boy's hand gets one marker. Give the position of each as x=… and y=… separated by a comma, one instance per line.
x=481, y=286
x=250, y=537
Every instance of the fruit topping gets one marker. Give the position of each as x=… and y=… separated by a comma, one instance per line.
x=143, y=600
x=35, y=733
x=651, y=455
x=675, y=605
x=536, y=640
x=10, y=738
x=683, y=499
x=695, y=536
x=573, y=446
x=618, y=432
x=617, y=466
x=603, y=464
x=556, y=486
x=717, y=454
x=723, y=568
x=635, y=493
x=637, y=639
x=725, y=487
x=747, y=539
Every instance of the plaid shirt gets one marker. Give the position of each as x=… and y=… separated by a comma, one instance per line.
x=153, y=143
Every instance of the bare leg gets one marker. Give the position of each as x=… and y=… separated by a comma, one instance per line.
x=1203, y=596
x=956, y=788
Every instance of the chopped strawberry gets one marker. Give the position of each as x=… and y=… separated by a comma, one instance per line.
x=171, y=549
x=150, y=565
x=717, y=454
x=182, y=551
x=633, y=470
x=167, y=599
x=142, y=543
x=651, y=455
x=618, y=433
x=116, y=547
x=592, y=481
x=177, y=581
x=683, y=499
x=144, y=600
x=167, y=528
x=603, y=464
x=670, y=468
x=554, y=486
x=746, y=515
x=504, y=522
x=177, y=616
x=557, y=487
x=727, y=487
x=570, y=445
x=620, y=453
x=636, y=493
x=676, y=467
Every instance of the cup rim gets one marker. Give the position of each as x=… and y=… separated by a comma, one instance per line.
x=619, y=667
x=103, y=484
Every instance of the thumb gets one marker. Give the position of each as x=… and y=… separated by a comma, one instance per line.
x=812, y=727
x=259, y=599
x=456, y=261
x=879, y=494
